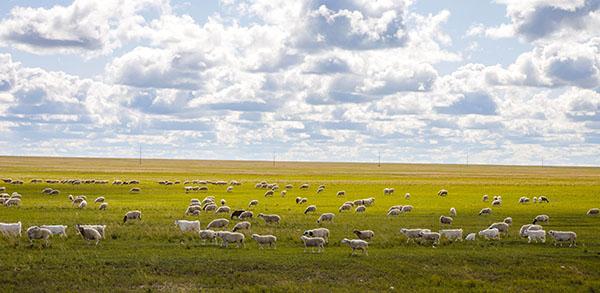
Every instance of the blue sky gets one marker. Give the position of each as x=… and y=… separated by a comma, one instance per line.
x=506, y=81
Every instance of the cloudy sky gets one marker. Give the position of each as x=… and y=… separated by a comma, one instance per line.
x=505, y=81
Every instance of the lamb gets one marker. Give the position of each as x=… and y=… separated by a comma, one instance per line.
x=36, y=232
x=244, y=225
x=593, y=212
x=56, y=229
x=236, y=213
x=490, y=233
x=394, y=212
x=345, y=207
x=443, y=192
x=563, y=236
x=218, y=223
x=99, y=199
x=246, y=215
x=452, y=212
x=452, y=234
x=364, y=234
x=10, y=229
x=188, y=226
x=412, y=234
x=231, y=237
x=253, y=203
x=132, y=215
x=356, y=244
x=263, y=240
x=341, y=193
x=446, y=220
x=313, y=242
x=270, y=219
x=326, y=217
x=471, y=237
x=89, y=234
x=500, y=226
x=207, y=235
x=360, y=209
x=318, y=232
x=485, y=211
x=535, y=235
x=485, y=198
x=310, y=209
x=508, y=220
x=434, y=237
x=223, y=209
x=528, y=227
x=541, y=218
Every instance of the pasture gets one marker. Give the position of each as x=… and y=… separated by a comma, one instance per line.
x=153, y=255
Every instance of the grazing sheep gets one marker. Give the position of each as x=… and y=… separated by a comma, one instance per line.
x=283, y=193
x=210, y=207
x=528, y=227
x=99, y=199
x=326, y=217
x=35, y=232
x=593, y=212
x=236, y=213
x=320, y=189
x=500, y=226
x=263, y=240
x=396, y=207
x=452, y=212
x=100, y=228
x=310, y=209
x=412, y=234
x=188, y=226
x=497, y=202
x=341, y=193
x=446, y=220
x=452, y=234
x=345, y=207
x=223, y=209
x=541, y=218
x=485, y=211
x=364, y=234
x=207, y=235
x=231, y=237
x=203, y=188
x=508, y=220
x=407, y=208
x=132, y=215
x=357, y=202
x=244, y=225
x=289, y=186
x=223, y=202
x=246, y=215
x=394, y=212
x=407, y=196
x=253, y=203
x=356, y=244
x=443, y=192
x=318, y=232
x=388, y=191
x=490, y=233
x=304, y=186
x=15, y=201
x=10, y=229
x=535, y=235
x=434, y=237
x=535, y=200
x=485, y=198
x=56, y=229
x=313, y=242
x=471, y=237
x=301, y=200
x=563, y=236
x=89, y=234
x=360, y=209
x=269, y=193
x=135, y=190
x=270, y=219
x=369, y=201
x=523, y=199
x=82, y=204
x=76, y=201
x=230, y=189
x=543, y=199
x=218, y=223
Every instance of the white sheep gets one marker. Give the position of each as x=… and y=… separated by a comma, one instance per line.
x=543, y=199
x=246, y=215
x=230, y=189
x=310, y=209
x=364, y=234
x=535, y=199
x=442, y=192
x=360, y=209
x=326, y=217
x=231, y=237
x=541, y=218
x=356, y=244
x=223, y=209
x=263, y=240
x=304, y=186
x=345, y=207
x=368, y=201
x=269, y=193
x=523, y=199
x=253, y=203
x=485, y=198
x=341, y=193
x=103, y=206
x=527, y=227
x=188, y=226
x=412, y=234
x=10, y=229
x=497, y=202
x=563, y=236
x=89, y=234
x=36, y=232
x=56, y=229
x=452, y=212
x=218, y=223
x=471, y=237
x=313, y=242
x=318, y=232
x=490, y=233
x=82, y=204
x=508, y=220
x=593, y=212
x=501, y=226
x=394, y=212
x=407, y=208
x=13, y=201
x=132, y=215
x=407, y=196
x=434, y=237
x=100, y=228
x=446, y=220
x=210, y=207
x=244, y=225
x=207, y=235
x=223, y=202
x=452, y=234
x=283, y=193
x=270, y=219
x=99, y=199
x=485, y=211
x=535, y=235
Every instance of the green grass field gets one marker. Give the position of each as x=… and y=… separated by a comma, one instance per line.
x=152, y=255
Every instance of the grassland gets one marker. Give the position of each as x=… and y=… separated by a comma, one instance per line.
x=153, y=256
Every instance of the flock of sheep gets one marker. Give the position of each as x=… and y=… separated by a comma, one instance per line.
x=217, y=230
